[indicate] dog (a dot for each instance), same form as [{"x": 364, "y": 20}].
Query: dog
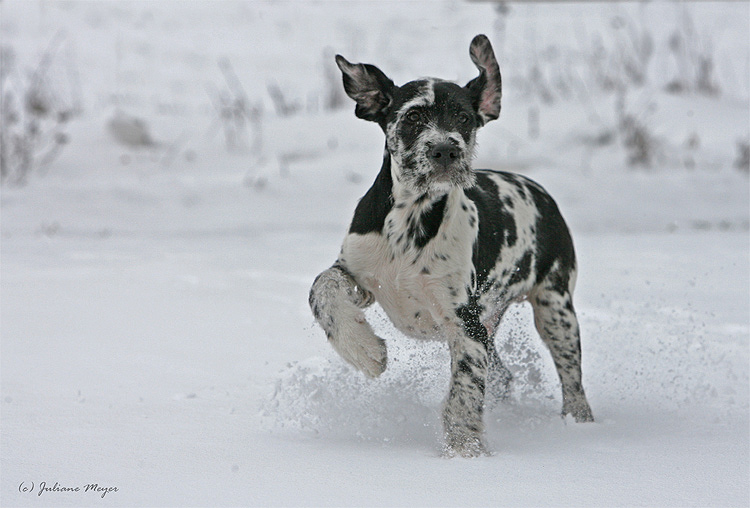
[{"x": 445, "y": 249}]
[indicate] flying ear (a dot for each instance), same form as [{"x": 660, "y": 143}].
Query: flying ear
[
  {"x": 487, "y": 88},
  {"x": 369, "y": 87}
]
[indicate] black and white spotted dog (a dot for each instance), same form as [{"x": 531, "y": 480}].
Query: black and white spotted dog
[{"x": 445, "y": 249}]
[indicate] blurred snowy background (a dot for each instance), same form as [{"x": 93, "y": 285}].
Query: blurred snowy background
[{"x": 174, "y": 175}]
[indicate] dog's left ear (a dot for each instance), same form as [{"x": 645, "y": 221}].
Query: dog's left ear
[
  {"x": 369, "y": 87},
  {"x": 487, "y": 88}
]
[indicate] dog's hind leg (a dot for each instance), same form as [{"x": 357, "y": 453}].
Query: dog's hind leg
[
  {"x": 499, "y": 377},
  {"x": 557, "y": 324},
  {"x": 337, "y": 301}
]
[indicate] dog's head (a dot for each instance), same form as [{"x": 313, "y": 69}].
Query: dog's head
[{"x": 430, "y": 124}]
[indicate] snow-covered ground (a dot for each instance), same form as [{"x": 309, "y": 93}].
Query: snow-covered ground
[{"x": 154, "y": 327}]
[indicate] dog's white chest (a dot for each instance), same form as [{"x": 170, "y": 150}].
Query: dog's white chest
[{"x": 419, "y": 287}]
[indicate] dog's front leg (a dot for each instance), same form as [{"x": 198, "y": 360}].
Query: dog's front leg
[
  {"x": 464, "y": 408},
  {"x": 337, "y": 301}
]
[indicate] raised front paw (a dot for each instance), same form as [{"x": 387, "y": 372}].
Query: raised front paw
[{"x": 357, "y": 344}]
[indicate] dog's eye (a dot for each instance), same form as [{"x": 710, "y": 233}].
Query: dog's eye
[
  {"x": 413, "y": 116},
  {"x": 463, "y": 118}
]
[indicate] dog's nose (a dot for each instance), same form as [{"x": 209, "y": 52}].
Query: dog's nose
[{"x": 444, "y": 154}]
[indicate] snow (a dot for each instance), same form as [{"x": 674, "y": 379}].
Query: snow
[{"x": 154, "y": 329}]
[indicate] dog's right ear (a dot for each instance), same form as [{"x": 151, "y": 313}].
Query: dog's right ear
[
  {"x": 369, "y": 87},
  {"x": 487, "y": 88}
]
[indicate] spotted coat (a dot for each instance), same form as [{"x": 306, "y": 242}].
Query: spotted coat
[{"x": 445, "y": 249}]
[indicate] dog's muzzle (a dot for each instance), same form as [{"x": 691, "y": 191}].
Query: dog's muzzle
[
  {"x": 444, "y": 155},
  {"x": 447, "y": 161},
  {"x": 445, "y": 158}
]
